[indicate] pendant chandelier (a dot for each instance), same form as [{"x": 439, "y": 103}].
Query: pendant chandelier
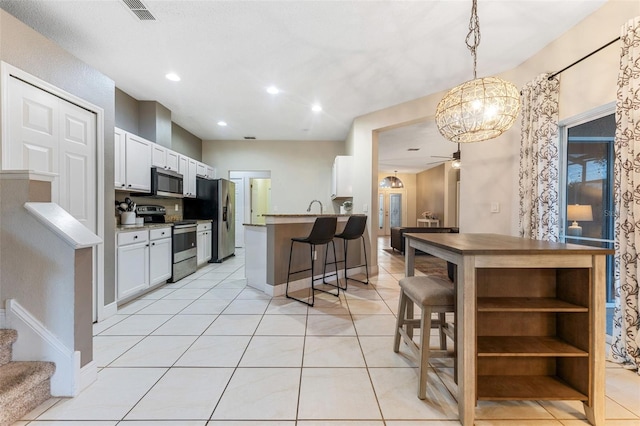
[
  {"x": 479, "y": 109},
  {"x": 392, "y": 182}
]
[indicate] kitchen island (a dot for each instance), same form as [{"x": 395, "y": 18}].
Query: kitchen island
[{"x": 267, "y": 253}]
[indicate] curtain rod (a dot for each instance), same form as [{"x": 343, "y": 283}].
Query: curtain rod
[{"x": 583, "y": 58}]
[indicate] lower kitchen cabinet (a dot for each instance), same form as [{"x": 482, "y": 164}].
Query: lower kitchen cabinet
[
  {"x": 159, "y": 255},
  {"x": 143, "y": 259},
  {"x": 204, "y": 243},
  {"x": 132, "y": 262}
]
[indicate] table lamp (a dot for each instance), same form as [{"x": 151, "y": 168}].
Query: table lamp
[{"x": 577, "y": 212}]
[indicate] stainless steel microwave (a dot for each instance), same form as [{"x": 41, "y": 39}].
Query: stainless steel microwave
[{"x": 166, "y": 183}]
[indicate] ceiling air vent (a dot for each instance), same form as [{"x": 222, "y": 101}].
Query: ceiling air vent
[{"x": 139, "y": 9}]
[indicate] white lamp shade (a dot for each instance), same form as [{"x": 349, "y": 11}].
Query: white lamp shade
[{"x": 577, "y": 212}]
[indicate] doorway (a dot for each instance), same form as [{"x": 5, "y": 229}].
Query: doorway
[
  {"x": 587, "y": 171},
  {"x": 260, "y": 199},
  {"x": 243, "y": 180},
  {"x": 392, "y": 210}
]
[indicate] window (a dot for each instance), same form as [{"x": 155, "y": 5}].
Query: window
[{"x": 587, "y": 213}]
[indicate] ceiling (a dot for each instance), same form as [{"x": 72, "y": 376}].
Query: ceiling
[{"x": 351, "y": 57}]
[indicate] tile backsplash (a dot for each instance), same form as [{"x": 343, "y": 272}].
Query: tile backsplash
[{"x": 168, "y": 203}]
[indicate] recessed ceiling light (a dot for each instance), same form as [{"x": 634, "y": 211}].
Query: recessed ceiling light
[
  {"x": 316, "y": 108},
  {"x": 173, "y": 77},
  {"x": 222, "y": 123},
  {"x": 273, "y": 90}
]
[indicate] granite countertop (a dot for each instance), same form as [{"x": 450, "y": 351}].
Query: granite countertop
[
  {"x": 310, "y": 215},
  {"x": 121, "y": 228}
]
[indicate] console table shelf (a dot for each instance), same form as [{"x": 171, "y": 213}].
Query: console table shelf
[
  {"x": 531, "y": 388},
  {"x": 527, "y": 304},
  {"x": 532, "y": 346}
]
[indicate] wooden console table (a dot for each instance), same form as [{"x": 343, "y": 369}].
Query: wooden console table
[{"x": 530, "y": 319}]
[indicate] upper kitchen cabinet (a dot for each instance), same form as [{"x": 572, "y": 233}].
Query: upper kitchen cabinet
[
  {"x": 132, "y": 162},
  {"x": 205, "y": 171},
  {"x": 342, "y": 177},
  {"x": 188, "y": 167},
  {"x": 164, "y": 158}
]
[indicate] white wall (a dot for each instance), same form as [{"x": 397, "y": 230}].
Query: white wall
[
  {"x": 490, "y": 169},
  {"x": 300, "y": 170}
]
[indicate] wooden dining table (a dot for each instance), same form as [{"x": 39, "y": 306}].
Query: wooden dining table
[{"x": 529, "y": 321}]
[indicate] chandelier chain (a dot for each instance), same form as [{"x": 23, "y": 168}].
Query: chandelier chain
[{"x": 473, "y": 36}]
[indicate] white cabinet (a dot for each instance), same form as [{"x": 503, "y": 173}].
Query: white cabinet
[
  {"x": 164, "y": 158},
  {"x": 342, "y": 177},
  {"x": 132, "y": 263},
  {"x": 187, "y": 167},
  {"x": 205, "y": 171},
  {"x": 201, "y": 169},
  {"x": 204, "y": 243},
  {"x": 159, "y": 255},
  {"x": 172, "y": 160},
  {"x": 158, "y": 156},
  {"x": 132, "y": 162},
  {"x": 143, "y": 259}
]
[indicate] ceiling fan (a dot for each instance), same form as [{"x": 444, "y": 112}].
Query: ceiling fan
[{"x": 455, "y": 158}]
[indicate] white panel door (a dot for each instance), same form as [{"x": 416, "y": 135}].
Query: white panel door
[
  {"x": 78, "y": 163},
  {"x": 49, "y": 134},
  {"x": 33, "y": 131}
]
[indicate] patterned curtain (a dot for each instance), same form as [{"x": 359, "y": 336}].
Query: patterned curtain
[
  {"x": 539, "y": 201},
  {"x": 625, "y": 348}
]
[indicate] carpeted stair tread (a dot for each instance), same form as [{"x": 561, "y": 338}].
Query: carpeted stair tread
[
  {"x": 8, "y": 336},
  {"x": 18, "y": 377},
  {"x": 7, "y": 339}
]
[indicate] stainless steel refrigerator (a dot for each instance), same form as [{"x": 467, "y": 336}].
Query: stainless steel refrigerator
[{"x": 215, "y": 200}]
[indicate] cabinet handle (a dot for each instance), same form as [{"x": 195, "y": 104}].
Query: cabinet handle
[
  {"x": 129, "y": 185},
  {"x": 162, "y": 233},
  {"x": 153, "y": 244},
  {"x": 135, "y": 237},
  {"x": 123, "y": 184}
]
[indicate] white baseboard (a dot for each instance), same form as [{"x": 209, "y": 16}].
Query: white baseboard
[
  {"x": 108, "y": 311},
  {"x": 36, "y": 343}
]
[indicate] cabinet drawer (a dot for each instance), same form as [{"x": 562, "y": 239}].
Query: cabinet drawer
[
  {"x": 125, "y": 238},
  {"x": 156, "y": 234},
  {"x": 204, "y": 226}
]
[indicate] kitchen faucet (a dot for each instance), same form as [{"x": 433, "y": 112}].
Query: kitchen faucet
[{"x": 314, "y": 201}]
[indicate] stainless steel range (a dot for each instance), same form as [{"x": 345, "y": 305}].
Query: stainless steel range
[{"x": 184, "y": 249}]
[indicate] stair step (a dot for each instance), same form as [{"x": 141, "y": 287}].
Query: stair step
[
  {"x": 7, "y": 339},
  {"x": 23, "y": 386}
]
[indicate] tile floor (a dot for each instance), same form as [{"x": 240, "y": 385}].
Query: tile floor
[{"x": 209, "y": 350}]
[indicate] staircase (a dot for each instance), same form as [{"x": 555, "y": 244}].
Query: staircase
[{"x": 23, "y": 385}]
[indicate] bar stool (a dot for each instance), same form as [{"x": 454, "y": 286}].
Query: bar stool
[
  {"x": 321, "y": 234},
  {"x": 353, "y": 230},
  {"x": 433, "y": 295}
]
